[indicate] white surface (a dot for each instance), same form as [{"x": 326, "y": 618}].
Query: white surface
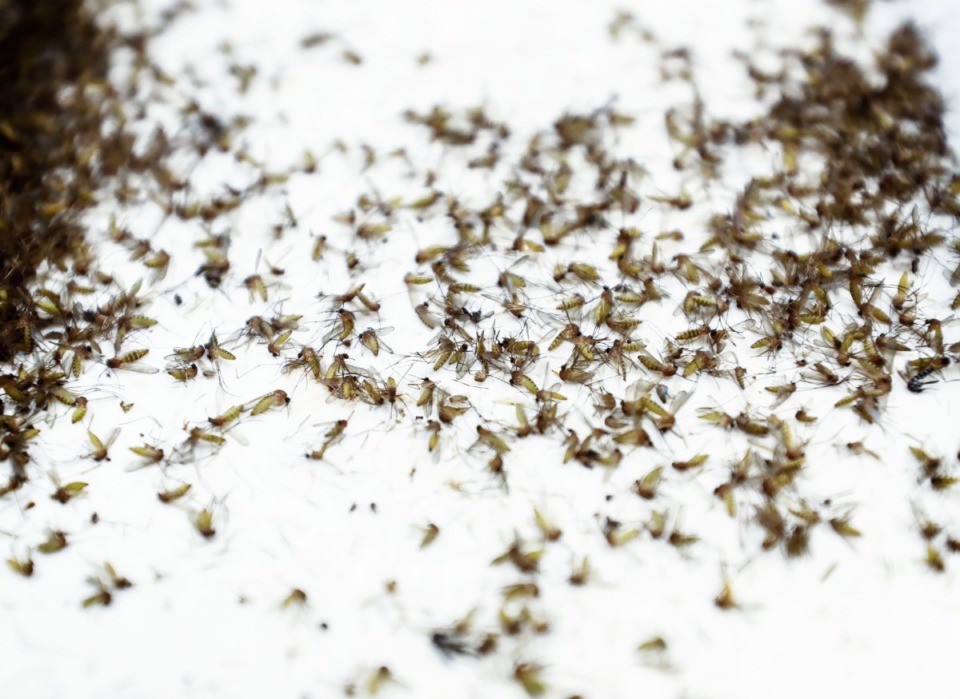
[{"x": 880, "y": 624}]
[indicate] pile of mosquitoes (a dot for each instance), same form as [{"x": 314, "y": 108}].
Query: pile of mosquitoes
[{"x": 834, "y": 264}]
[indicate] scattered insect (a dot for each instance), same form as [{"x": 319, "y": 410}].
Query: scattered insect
[
  {"x": 451, "y": 644},
  {"x": 230, "y": 416},
  {"x": 296, "y": 598},
  {"x": 430, "y": 533},
  {"x": 68, "y": 491},
  {"x": 378, "y": 679},
  {"x": 174, "y": 494},
  {"x": 725, "y": 600},
  {"x": 21, "y": 567},
  {"x": 149, "y": 453},
  {"x": 306, "y": 358},
  {"x": 56, "y": 541},
  {"x": 332, "y": 436},
  {"x": 215, "y": 352},
  {"x": 530, "y": 677},
  {"x": 371, "y": 339},
  {"x": 549, "y": 530},
  {"x": 127, "y": 361},
  {"x": 101, "y": 448},
  {"x": 203, "y": 523},
  {"x": 185, "y": 373},
  {"x": 106, "y": 584},
  {"x": 274, "y": 399}
]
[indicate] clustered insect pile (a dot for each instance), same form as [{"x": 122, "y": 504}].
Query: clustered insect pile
[{"x": 833, "y": 265}]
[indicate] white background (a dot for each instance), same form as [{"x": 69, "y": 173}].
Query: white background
[{"x": 205, "y": 618}]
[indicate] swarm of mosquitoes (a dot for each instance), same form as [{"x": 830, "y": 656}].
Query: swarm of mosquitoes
[{"x": 544, "y": 288}]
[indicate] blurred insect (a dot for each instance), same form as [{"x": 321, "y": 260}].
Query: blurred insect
[
  {"x": 491, "y": 440},
  {"x": 646, "y": 487},
  {"x": 332, "y": 436},
  {"x": 692, "y": 463},
  {"x": 105, "y": 587},
  {"x": 203, "y": 523},
  {"x": 617, "y": 535},
  {"x": 524, "y": 561},
  {"x": 450, "y": 643},
  {"x": 430, "y": 533},
  {"x": 932, "y": 470},
  {"x": 725, "y": 600},
  {"x": 434, "y": 428},
  {"x": 319, "y": 248},
  {"x": 782, "y": 392},
  {"x": 412, "y": 280},
  {"x": 150, "y": 454},
  {"x": 580, "y": 575},
  {"x": 427, "y": 318},
  {"x": 23, "y": 567},
  {"x": 591, "y": 450},
  {"x": 56, "y": 541},
  {"x": 748, "y": 425},
  {"x": 636, "y": 436},
  {"x": 664, "y": 419},
  {"x": 256, "y": 286},
  {"x": 101, "y": 448},
  {"x": 174, "y": 494},
  {"x": 934, "y": 559},
  {"x": 66, "y": 492},
  {"x": 549, "y": 530},
  {"x": 158, "y": 262}
]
